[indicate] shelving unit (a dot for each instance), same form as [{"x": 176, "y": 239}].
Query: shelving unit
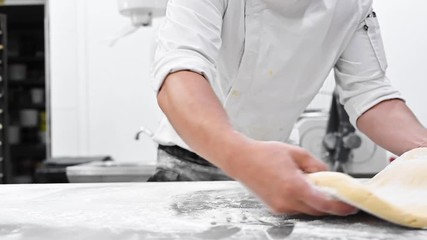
[
  {"x": 26, "y": 90},
  {"x": 4, "y": 148}
]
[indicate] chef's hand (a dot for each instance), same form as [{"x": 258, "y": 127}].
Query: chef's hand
[{"x": 274, "y": 171}]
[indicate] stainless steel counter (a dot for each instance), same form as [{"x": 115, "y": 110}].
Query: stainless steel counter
[{"x": 196, "y": 210}]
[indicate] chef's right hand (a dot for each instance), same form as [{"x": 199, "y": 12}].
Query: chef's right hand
[{"x": 275, "y": 172}]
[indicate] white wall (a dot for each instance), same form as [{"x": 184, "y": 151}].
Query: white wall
[
  {"x": 404, "y": 29},
  {"x": 100, "y": 95}
]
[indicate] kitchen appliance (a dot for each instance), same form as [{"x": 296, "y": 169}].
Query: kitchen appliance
[
  {"x": 341, "y": 138},
  {"x": 109, "y": 171},
  {"x": 364, "y": 161},
  {"x": 53, "y": 170},
  {"x": 142, "y": 12}
]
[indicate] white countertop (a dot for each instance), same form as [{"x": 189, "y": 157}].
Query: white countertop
[{"x": 192, "y": 210}]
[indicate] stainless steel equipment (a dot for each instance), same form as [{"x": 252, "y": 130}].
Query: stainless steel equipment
[
  {"x": 340, "y": 138},
  {"x": 109, "y": 171},
  {"x": 364, "y": 161}
]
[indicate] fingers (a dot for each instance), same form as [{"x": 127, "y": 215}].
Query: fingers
[
  {"x": 302, "y": 197},
  {"x": 308, "y": 163},
  {"x": 313, "y": 197},
  {"x": 306, "y": 209},
  {"x": 288, "y": 190},
  {"x": 298, "y": 207},
  {"x": 324, "y": 203}
]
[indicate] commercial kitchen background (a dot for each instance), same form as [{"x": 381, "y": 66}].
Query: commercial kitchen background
[{"x": 101, "y": 95}]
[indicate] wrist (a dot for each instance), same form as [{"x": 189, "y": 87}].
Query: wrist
[
  {"x": 420, "y": 140},
  {"x": 231, "y": 151}
]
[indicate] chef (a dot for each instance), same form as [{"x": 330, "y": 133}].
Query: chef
[{"x": 232, "y": 77}]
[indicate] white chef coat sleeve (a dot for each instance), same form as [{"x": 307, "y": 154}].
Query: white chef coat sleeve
[
  {"x": 189, "y": 39},
  {"x": 360, "y": 72}
]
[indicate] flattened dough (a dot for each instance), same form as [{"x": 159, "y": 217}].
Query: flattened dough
[{"x": 397, "y": 194}]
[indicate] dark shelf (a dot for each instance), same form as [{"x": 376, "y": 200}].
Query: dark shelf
[
  {"x": 27, "y": 150},
  {"x": 24, "y": 37},
  {"x": 25, "y": 59},
  {"x": 27, "y": 83},
  {"x": 13, "y": 107}
]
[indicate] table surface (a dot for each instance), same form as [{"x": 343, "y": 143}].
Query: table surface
[{"x": 192, "y": 210}]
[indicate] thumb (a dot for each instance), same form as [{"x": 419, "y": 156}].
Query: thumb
[{"x": 308, "y": 163}]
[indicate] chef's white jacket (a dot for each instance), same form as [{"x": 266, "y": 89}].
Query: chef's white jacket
[{"x": 267, "y": 59}]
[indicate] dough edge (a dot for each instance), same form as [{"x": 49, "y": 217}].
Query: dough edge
[{"x": 353, "y": 192}]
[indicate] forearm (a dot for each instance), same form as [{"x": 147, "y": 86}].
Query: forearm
[
  {"x": 197, "y": 115},
  {"x": 272, "y": 170},
  {"x": 392, "y": 125}
]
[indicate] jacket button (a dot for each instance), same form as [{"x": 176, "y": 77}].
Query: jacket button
[{"x": 366, "y": 27}]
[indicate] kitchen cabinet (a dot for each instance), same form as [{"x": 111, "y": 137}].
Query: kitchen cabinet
[{"x": 24, "y": 92}]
